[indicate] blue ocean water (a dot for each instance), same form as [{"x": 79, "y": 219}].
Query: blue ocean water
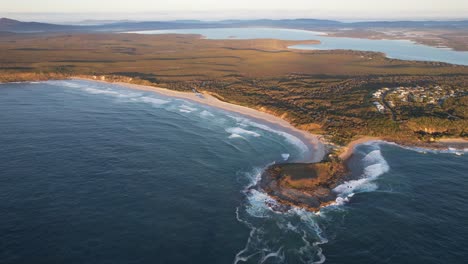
[
  {"x": 98, "y": 173},
  {"x": 397, "y": 49}
]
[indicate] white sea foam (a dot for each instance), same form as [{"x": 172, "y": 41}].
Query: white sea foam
[
  {"x": 244, "y": 122},
  {"x": 67, "y": 84},
  {"x": 277, "y": 254},
  {"x": 238, "y": 131},
  {"x": 285, "y": 156},
  {"x": 187, "y": 109},
  {"x": 206, "y": 114},
  {"x": 449, "y": 150},
  {"x": 151, "y": 100},
  {"x": 258, "y": 204},
  {"x": 310, "y": 221},
  {"x": 101, "y": 91},
  {"x": 239, "y": 256},
  {"x": 374, "y": 166},
  {"x": 263, "y": 246},
  {"x": 232, "y": 136},
  {"x": 97, "y": 89}
]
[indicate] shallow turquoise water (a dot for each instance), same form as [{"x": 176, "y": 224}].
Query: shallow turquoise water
[
  {"x": 97, "y": 173},
  {"x": 397, "y": 49}
]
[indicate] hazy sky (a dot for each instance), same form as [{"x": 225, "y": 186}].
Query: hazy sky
[{"x": 219, "y": 9}]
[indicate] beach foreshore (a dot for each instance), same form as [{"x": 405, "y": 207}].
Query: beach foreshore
[
  {"x": 454, "y": 141},
  {"x": 319, "y": 174},
  {"x": 349, "y": 149},
  {"x": 315, "y": 143}
]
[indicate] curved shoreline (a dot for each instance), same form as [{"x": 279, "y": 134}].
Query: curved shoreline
[
  {"x": 325, "y": 174},
  {"x": 443, "y": 144},
  {"x": 314, "y": 143}
]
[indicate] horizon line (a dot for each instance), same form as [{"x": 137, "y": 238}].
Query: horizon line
[{"x": 10, "y": 15}]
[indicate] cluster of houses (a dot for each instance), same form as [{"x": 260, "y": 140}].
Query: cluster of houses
[
  {"x": 423, "y": 95},
  {"x": 379, "y": 107}
]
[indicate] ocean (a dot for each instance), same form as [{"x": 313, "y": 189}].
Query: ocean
[{"x": 98, "y": 173}]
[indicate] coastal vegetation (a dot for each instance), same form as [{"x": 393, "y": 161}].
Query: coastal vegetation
[
  {"x": 332, "y": 93},
  {"x": 328, "y": 92}
]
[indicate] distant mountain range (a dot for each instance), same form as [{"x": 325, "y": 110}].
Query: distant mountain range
[{"x": 10, "y": 25}]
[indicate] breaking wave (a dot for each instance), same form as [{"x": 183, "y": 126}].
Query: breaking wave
[
  {"x": 186, "y": 109},
  {"x": 235, "y": 136},
  {"x": 206, "y": 114},
  {"x": 449, "y": 150},
  {"x": 98, "y": 88},
  {"x": 151, "y": 100},
  {"x": 291, "y": 139},
  {"x": 102, "y": 91},
  {"x": 69, "y": 84},
  {"x": 239, "y": 132},
  {"x": 271, "y": 232},
  {"x": 374, "y": 165}
]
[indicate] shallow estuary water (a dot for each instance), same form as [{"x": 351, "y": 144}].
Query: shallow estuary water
[{"x": 397, "y": 49}]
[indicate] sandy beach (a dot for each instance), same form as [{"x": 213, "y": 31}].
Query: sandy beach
[
  {"x": 454, "y": 140},
  {"x": 315, "y": 143},
  {"x": 349, "y": 149}
]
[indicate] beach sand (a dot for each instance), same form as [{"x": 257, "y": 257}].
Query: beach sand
[
  {"x": 349, "y": 149},
  {"x": 454, "y": 140},
  {"x": 315, "y": 143},
  {"x": 458, "y": 143}
]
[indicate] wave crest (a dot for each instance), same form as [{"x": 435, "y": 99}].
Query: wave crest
[
  {"x": 374, "y": 166},
  {"x": 238, "y": 131}
]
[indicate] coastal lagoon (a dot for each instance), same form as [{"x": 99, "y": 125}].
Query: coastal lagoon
[
  {"x": 397, "y": 49},
  {"x": 94, "y": 173}
]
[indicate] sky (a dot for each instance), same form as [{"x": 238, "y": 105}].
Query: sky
[{"x": 238, "y": 9}]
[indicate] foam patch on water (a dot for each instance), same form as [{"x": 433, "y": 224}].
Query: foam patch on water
[
  {"x": 285, "y": 156},
  {"x": 206, "y": 114},
  {"x": 151, "y": 100},
  {"x": 277, "y": 254},
  {"x": 66, "y": 84},
  {"x": 257, "y": 204},
  {"x": 187, "y": 109},
  {"x": 102, "y": 91},
  {"x": 310, "y": 219},
  {"x": 449, "y": 150},
  {"x": 269, "y": 229},
  {"x": 232, "y": 136},
  {"x": 374, "y": 166},
  {"x": 238, "y": 131},
  {"x": 291, "y": 139}
]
